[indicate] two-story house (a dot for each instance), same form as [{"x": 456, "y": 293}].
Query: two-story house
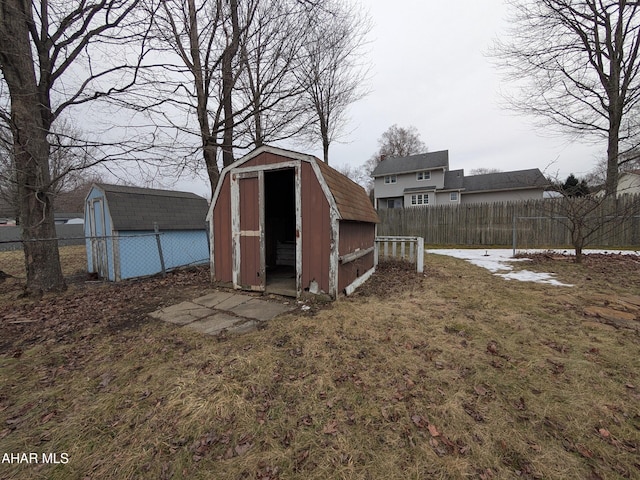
[{"x": 425, "y": 179}]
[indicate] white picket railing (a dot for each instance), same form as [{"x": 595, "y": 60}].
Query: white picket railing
[{"x": 401, "y": 248}]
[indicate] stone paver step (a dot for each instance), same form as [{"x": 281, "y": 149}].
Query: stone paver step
[{"x": 218, "y": 311}]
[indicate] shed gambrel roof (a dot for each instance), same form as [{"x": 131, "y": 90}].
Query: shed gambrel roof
[
  {"x": 516, "y": 180},
  {"x": 413, "y": 163},
  {"x": 137, "y": 209},
  {"x": 351, "y": 200}
]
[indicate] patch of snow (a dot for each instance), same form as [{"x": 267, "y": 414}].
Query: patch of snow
[
  {"x": 495, "y": 260},
  {"x": 499, "y": 260},
  {"x": 528, "y": 276}
]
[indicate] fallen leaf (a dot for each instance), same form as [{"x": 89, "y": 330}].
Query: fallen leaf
[
  {"x": 47, "y": 417},
  {"x": 604, "y": 432},
  {"x": 106, "y": 379},
  {"x": 419, "y": 421},
  {"x": 306, "y": 420},
  {"x": 331, "y": 428},
  {"x": 480, "y": 390},
  {"x": 433, "y": 431},
  {"x": 492, "y": 347},
  {"x": 242, "y": 448},
  {"x": 584, "y": 451}
]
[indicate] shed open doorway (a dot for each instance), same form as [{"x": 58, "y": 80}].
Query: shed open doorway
[{"x": 280, "y": 231}]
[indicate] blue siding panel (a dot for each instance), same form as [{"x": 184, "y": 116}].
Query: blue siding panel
[{"x": 139, "y": 254}]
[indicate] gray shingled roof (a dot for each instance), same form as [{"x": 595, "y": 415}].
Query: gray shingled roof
[
  {"x": 519, "y": 179},
  {"x": 454, "y": 180},
  {"x": 136, "y": 208},
  {"x": 412, "y": 163}
]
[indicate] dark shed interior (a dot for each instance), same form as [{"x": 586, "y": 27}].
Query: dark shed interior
[{"x": 280, "y": 227}]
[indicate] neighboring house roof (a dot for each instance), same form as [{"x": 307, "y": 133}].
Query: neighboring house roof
[
  {"x": 454, "y": 180},
  {"x": 412, "y": 163},
  {"x": 136, "y": 208},
  {"x": 516, "y": 180},
  {"x": 351, "y": 199},
  {"x": 426, "y": 188},
  {"x": 67, "y": 216}
]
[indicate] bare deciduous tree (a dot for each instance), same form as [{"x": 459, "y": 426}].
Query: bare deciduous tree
[
  {"x": 395, "y": 142},
  {"x": 589, "y": 217},
  {"x": 576, "y": 65},
  {"x": 52, "y": 57},
  {"x": 331, "y": 72},
  {"x": 270, "y": 59},
  {"x": 70, "y": 158},
  {"x": 200, "y": 42},
  {"x": 484, "y": 170}
]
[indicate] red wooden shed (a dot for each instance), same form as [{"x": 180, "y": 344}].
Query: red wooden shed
[{"x": 286, "y": 223}]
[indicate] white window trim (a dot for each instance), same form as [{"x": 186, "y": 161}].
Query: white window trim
[
  {"x": 451, "y": 196},
  {"x": 419, "y": 199},
  {"x": 388, "y": 179},
  {"x": 426, "y": 175}
]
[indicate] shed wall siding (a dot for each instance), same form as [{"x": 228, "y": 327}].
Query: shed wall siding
[
  {"x": 316, "y": 231},
  {"x": 353, "y": 236},
  {"x": 102, "y": 246},
  {"x": 222, "y": 234}
]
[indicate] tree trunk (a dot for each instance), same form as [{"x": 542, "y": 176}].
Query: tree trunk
[
  {"x": 326, "y": 141},
  {"x": 31, "y": 150},
  {"x": 228, "y": 82},
  {"x": 209, "y": 147},
  {"x": 210, "y": 153},
  {"x": 578, "y": 241},
  {"x": 611, "y": 182}
]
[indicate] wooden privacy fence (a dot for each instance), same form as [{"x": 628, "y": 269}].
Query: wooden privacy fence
[
  {"x": 535, "y": 223},
  {"x": 400, "y": 248}
]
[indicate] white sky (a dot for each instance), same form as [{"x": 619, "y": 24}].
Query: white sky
[{"x": 430, "y": 70}]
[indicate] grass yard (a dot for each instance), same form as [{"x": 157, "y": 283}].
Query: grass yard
[{"x": 454, "y": 374}]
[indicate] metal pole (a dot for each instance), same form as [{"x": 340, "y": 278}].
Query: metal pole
[
  {"x": 157, "y": 232},
  {"x": 515, "y": 221}
]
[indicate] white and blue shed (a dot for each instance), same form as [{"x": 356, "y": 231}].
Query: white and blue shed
[{"x": 133, "y": 231}]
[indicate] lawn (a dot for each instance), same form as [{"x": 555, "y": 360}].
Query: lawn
[{"x": 456, "y": 373}]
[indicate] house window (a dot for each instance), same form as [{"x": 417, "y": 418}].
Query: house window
[
  {"x": 453, "y": 196},
  {"x": 423, "y": 176},
  {"x": 420, "y": 199},
  {"x": 390, "y": 179},
  {"x": 391, "y": 203}
]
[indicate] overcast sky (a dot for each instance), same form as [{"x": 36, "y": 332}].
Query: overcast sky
[{"x": 429, "y": 69}]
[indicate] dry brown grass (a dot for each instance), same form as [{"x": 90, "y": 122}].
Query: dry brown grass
[
  {"x": 452, "y": 375},
  {"x": 72, "y": 258}
]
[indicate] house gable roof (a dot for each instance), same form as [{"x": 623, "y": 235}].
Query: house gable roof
[
  {"x": 137, "y": 209},
  {"x": 454, "y": 180},
  {"x": 351, "y": 200},
  {"x": 413, "y": 163},
  {"x": 516, "y": 180}
]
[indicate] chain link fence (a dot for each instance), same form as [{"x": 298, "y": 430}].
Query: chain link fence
[
  {"x": 138, "y": 255},
  {"x": 131, "y": 255}
]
